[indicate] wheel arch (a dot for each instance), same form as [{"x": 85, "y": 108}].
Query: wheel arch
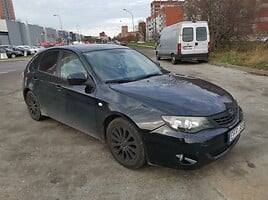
[
  {"x": 112, "y": 117},
  {"x": 25, "y": 91}
]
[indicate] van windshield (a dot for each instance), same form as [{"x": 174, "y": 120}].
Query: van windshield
[
  {"x": 201, "y": 33},
  {"x": 188, "y": 34}
]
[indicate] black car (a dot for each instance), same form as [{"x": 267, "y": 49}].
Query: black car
[
  {"x": 144, "y": 113},
  {"x": 11, "y": 53}
]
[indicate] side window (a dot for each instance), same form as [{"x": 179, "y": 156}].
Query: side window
[
  {"x": 70, "y": 64},
  {"x": 188, "y": 34},
  {"x": 35, "y": 62},
  {"x": 49, "y": 62},
  {"x": 201, "y": 33}
]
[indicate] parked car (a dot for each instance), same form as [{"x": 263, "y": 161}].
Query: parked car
[
  {"x": 184, "y": 41},
  {"x": 29, "y": 50},
  {"x": 145, "y": 113},
  {"x": 11, "y": 53},
  {"x": 264, "y": 39}
]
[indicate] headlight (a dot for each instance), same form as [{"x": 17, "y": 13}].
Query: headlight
[{"x": 187, "y": 124}]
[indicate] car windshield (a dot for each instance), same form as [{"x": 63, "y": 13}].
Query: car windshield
[{"x": 122, "y": 65}]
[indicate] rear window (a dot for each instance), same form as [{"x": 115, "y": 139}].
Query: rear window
[
  {"x": 188, "y": 34},
  {"x": 201, "y": 33}
]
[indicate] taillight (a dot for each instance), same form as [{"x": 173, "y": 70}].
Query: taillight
[
  {"x": 209, "y": 46},
  {"x": 179, "y": 47}
]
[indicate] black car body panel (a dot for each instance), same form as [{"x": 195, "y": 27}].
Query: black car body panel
[{"x": 142, "y": 102}]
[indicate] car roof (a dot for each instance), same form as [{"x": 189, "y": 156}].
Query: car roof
[{"x": 90, "y": 47}]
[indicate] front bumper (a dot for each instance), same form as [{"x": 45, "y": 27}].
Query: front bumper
[{"x": 170, "y": 148}]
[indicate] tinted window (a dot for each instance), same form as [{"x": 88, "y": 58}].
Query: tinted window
[
  {"x": 188, "y": 34},
  {"x": 201, "y": 33},
  {"x": 121, "y": 64},
  {"x": 70, "y": 64},
  {"x": 35, "y": 62},
  {"x": 49, "y": 62}
]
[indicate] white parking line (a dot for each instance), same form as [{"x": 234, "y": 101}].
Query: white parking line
[{"x": 5, "y": 72}]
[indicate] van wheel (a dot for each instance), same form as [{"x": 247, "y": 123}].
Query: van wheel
[
  {"x": 157, "y": 56},
  {"x": 173, "y": 59}
]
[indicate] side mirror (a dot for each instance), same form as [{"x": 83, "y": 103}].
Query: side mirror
[{"x": 77, "y": 78}]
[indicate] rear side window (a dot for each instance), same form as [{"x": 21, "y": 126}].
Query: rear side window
[
  {"x": 201, "y": 33},
  {"x": 188, "y": 34},
  {"x": 49, "y": 62}
]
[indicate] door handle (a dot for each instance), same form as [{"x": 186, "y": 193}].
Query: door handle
[{"x": 34, "y": 78}]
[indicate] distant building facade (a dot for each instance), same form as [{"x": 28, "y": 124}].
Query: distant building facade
[
  {"x": 163, "y": 13},
  {"x": 262, "y": 16},
  {"x": 7, "y": 10}
]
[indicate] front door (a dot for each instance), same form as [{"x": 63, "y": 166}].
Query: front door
[{"x": 80, "y": 106}]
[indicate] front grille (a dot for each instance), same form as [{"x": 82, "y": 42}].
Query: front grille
[{"x": 226, "y": 118}]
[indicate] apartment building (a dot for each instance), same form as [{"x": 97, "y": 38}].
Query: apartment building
[
  {"x": 163, "y": 13},
  {"x": 7, "y": 10}
]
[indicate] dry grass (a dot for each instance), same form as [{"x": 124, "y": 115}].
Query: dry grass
[{"x": 254, "y": 55}]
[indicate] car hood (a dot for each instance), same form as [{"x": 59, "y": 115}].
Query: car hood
[{"x": 178, "y": 95}]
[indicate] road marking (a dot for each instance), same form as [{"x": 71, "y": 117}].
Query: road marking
[{"x": 6, "y": 72}]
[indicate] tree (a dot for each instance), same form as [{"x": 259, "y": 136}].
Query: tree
[{"x": 228, "y": 19}]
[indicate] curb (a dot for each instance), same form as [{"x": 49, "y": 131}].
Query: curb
[
  {"x": 14, "y": 60},
  {"x": 241, "y": 68}
]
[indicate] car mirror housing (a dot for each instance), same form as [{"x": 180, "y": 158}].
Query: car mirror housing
[{"x": 77, "y": 78}]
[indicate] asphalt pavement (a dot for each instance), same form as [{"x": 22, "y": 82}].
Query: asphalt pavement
[{"x": 49, "y": 160}]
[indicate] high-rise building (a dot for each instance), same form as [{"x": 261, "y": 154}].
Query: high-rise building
[
  {"x": 163, "y": 13},
  {"x": 7, "y": 10}
]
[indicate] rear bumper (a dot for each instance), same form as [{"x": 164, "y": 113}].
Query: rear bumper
[
  {"x": 203, "y": 56},
  {"x": 169, "y": 148}
]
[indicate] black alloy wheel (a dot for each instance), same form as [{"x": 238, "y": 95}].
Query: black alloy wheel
[
  {"x": 173, "y": 59},
  {"x": 125, "y": 143},
  {"x": 33, "y": 106}
]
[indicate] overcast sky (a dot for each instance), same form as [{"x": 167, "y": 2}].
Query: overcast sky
[{"x": 92, "y": 16}]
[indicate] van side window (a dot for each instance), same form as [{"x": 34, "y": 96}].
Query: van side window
[
  {"x": 188, "y": 34},
  {"x": 201, "y": 33}
]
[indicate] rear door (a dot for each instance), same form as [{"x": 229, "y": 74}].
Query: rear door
[
  {"x": 187, "y": 40},
  {"x": 46, "y": 86},
  {"x": 201, "y": 38}
]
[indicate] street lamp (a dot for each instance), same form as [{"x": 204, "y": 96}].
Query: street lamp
[
  {"x": 131, "y": 17},
  {"x": 55, "y": 15}
]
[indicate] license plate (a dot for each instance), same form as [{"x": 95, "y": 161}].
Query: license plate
[{"x": 236, "y": 131}]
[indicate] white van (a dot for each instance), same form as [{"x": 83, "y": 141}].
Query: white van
[{"x": 184, "y": 41}]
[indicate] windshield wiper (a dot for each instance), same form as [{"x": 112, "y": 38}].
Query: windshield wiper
[
  {"x": 120, "y": 81},
  {"x": 150, "y": 75},
  {"x": 134, "y": 79}
]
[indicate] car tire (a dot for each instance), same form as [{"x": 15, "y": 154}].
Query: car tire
[
  {"x": 173, "y": 59},
  {"x": 157, "y": 56},
  {"x": 13, "y": 55},
  {"x": 33, "y": 106},
  {"x": 125, "y": 143}
]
